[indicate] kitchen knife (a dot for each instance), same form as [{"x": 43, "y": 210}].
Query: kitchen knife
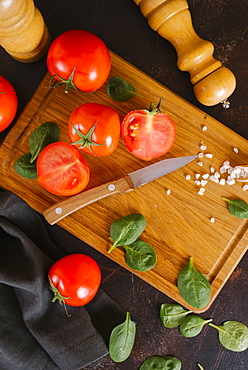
[{"x": 124, "y": 184}]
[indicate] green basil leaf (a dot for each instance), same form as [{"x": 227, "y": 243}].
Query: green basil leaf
[
  {"x": 193, "y": 286},
  {"x": 171, "y": 314},
  {"x": 24, "y": 168},
  {"x": 127, "y": 229},
  {"x": 119, "y": 89},
  {"x": 172, "y": 363},
  {"x": 122, "y": 340},
  {"x": 233, "y": 335},
  {"x": 161, "y": 363},
  {"x": 237, "y": 207},
  {"x": 192, "y": 325},
  {"x": 42, "y": 136},
  {"x": 154, "y": 362},
  {"x": 140, "y": 256}
]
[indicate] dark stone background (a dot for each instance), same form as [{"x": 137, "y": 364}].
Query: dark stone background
[{"x": 122, "y": 27}]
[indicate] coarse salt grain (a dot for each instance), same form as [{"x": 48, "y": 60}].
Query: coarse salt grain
[
  {"x": 212, "y": 170},
  {"x": 245, "y": 187},
  {"x": 230, "y": 180},
  {"x": 212, "y": 219},
  {"x": 187, "y": 177},
  {"x": 197, "y": 175},
  {"x": 200, "y": 155},
  {"x": 168, "y": 192},
  {"x": 203, "y": 182},
  {"x": 209, "y": 155},
  {"x": 204, "y": 128},
  {"x": 222, "y": 182},
  {"x": 205, "y": 176},
  {"x": 197, "y": 182},
  {"x": 235, "y": 150},
  {"x": 203, "y": 147},
  {"x": 222, "y": 169},
  {"x": 200, "y": 164}
]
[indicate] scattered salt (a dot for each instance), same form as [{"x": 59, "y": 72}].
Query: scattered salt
[
  {"x": 245, "y": 187},
  {"x": 235, "y": 150},
  {"x": 205, "y": 176},
  {"x": 209, "y": 155},
  {"x": 197, "y": 175},
  {"x": 222, "y": 182},
  {"x": 168, "y": 192},
  {"x": 204, "y": 128},
  {"x": 212, "y": 219},
  {"x": 187, "y": 177},
  {"x": 200, "y": 164}
]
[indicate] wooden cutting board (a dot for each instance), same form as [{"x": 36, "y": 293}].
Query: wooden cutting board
[{"x": 178, "y": 224}]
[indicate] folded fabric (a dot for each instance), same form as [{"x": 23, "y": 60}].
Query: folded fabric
[{"x": 34, "y": 332}]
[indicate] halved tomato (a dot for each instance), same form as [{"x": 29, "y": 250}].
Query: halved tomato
[
  {"x": 62, "y": 170},
  {"x": 148, "y": 134}
]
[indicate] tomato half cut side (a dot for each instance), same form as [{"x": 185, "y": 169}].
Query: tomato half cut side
[
  {"x": 62, "y": 170},
  {"x": 75, "y": 279},
  {"x": 148, "y": 135}
]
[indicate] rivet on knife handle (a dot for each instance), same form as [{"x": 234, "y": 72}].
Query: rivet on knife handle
[{"x": 64, "y": 208}]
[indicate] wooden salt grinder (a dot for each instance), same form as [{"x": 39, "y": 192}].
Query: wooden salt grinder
[
  {"x": 213, "y": 83},
  {"x": 23, "y": 32}
]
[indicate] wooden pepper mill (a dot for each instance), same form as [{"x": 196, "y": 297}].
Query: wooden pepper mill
[
  {"x": 23, "y": 32},
  {"x": 213, "y": 83}
]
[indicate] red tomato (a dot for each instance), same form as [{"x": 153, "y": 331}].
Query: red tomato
[
  {"x": 75, "y": 279},
  {"x": 62, "y": 170},
  {"x": 80, "y": 59},
  {"x": 8, "y": 103},
  {"x": 148, "y": 134},
  {"x": 95, "y": 129}
]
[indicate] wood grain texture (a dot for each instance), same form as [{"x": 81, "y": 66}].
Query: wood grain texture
[{"x": 178, "y": 225}]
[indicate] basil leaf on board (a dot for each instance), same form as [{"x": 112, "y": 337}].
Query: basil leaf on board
[
  {"x": 120, "y": 90},
  {"x": 193, "y": 286},
  {"x": 127, "y": 229},
  {"x": 140, "y": 256},
  {"x": 192, "y": 325},
  {"x": 161, "y": 363},
  {"x": 171, "y": 314},
  {"x": 24, "y": 168},
  {"x": 233, "y": 335},
  {"x": 45, "y": 134},
  {"x": 237, "y": 207},
  {"x": 122, "y": 340}
]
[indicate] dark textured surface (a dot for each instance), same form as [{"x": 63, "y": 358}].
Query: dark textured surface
[{"x": 125, "y": 31}]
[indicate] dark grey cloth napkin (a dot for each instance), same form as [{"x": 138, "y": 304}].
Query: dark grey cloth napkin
[{"x": 34, "y": 332}]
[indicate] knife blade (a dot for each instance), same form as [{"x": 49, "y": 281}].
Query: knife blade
[{"x": 124, "y": 184}]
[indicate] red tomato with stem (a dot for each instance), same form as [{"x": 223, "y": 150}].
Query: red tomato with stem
[
  {"x": 95, "y": 129},
  {"x": 8, "y": 103},
  {"x": 79, "y": 59},
  {"x": 75, "y": 279},
  {"x": 62, "y": 170},
  {"x": 148, "y": 134}
]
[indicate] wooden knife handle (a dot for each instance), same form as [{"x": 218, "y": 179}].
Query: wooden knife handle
[
  {"x": 171, "y": 19},
  {"x": 64, "y": 208}
]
